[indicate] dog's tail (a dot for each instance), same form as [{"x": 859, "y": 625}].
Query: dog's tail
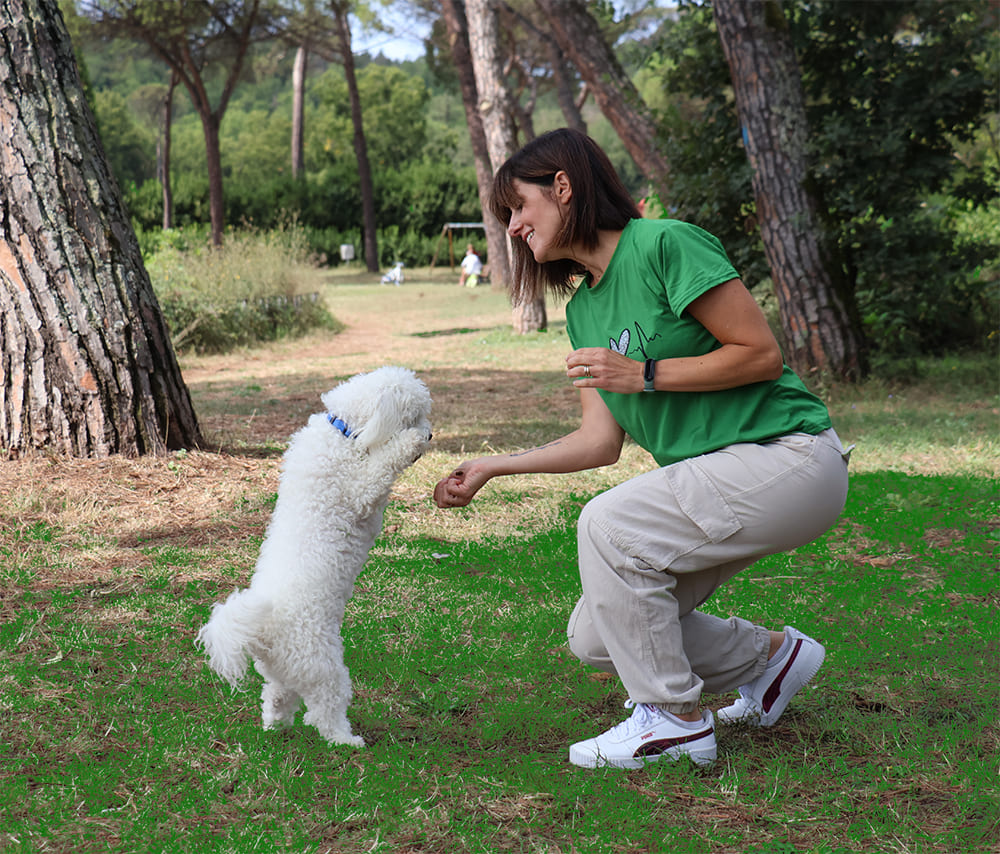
[{"x": 232, "y": 632}]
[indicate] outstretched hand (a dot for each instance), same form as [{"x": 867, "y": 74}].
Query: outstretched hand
[
  {"x": 459, "y": 488},
  {"x": 599, "y": 367}
]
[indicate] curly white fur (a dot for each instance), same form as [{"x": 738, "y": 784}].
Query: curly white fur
[{"x": 333, "y": 490}]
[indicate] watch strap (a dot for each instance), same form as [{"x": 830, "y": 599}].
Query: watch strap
[{"x": 648, "y": 373}]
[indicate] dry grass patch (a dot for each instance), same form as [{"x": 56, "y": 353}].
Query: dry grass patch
[{"x": 104, "y": 520}]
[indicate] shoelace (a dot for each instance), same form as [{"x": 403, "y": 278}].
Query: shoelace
[{"x": 643, "y": 716}]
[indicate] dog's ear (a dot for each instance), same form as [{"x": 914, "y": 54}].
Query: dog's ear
[{"x": 385, "y": 421}]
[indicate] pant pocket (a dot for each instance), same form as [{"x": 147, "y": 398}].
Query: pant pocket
[{"x": 702, "y": 502}]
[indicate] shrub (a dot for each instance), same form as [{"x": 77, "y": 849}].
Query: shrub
[{"x": 260, "y": 286}]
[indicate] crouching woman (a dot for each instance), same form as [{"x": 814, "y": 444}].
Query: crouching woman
[{"x": 671, "y": 349}]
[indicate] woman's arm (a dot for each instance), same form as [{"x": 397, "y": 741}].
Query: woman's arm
[
  {"x": 748, "y": 353},
  {"x": 597, "y": 442}
]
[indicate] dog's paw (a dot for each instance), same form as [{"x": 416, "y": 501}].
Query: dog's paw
[{"x": 349, "y": 740}]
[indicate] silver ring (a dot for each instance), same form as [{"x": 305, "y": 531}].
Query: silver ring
[{"x": 586, "y": 371}]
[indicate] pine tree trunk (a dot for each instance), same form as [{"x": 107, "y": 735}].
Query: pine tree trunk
[
  {"x": 581, "y": 40},
  {"x": 458, "y": 39},
  {"x": 86, "y": 361},
  {"x": 496, "y": 113},
  {"x": 210, "y": 123},
  {"x": 165, "y": 178},
  {"x": 360, "y": 144},
  {"x": 563, "y": 80},
  {"x": 298, "y": 109},
  {"x": 817, "y": 316},
  {"x": 530, "y": 316}
]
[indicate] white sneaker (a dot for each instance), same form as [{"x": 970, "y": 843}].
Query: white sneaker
[
  {"x": 649, "y": 735},
  {"x": 762, "y": 701}
]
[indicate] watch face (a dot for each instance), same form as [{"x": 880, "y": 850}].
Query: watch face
[{"x": 649, "y": 370}]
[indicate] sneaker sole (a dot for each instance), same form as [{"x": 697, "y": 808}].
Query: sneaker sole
[{"x": 586, "y": 759}]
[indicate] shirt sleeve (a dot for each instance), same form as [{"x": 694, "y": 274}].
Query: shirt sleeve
[{"x": 692, "y": 261}]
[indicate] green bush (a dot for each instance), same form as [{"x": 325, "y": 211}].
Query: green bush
[{"x": 260, "y": 286}]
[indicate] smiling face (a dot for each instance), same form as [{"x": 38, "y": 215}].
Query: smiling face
[{"x": 538, "y": 219}]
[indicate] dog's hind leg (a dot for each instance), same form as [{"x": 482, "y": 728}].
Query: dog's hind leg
[
  {"x": 326, "y": 707},
  {"x": 278, "y": 705},
  {"x": 323, "y": 712},
  {"x": 278, "y": 702}
]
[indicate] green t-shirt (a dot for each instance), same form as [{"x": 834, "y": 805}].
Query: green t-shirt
[{"x": 638, "y": 309}]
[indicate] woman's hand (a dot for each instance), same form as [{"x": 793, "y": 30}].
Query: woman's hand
[
  {"x": 599, "y": 367},
  {"x": 459, "y": 488}
]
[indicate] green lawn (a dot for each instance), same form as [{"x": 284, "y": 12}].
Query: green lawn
[{"x": 115, "y": 737}]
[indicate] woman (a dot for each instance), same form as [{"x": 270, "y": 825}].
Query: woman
[{"x": 671, "y": 349}]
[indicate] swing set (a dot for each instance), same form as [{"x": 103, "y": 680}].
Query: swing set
[{"x": 449, "y": 231}]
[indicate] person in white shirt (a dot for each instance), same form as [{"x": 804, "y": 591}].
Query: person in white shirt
[{"x": 472, "y": 268}]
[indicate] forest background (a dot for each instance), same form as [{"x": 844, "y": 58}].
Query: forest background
[{"x": 902, "y": 102}]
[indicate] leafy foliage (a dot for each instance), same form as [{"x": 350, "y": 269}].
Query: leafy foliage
[
  {"x": 418, "y": 187},
  {"x": 904, "y": 147},
  {"x": 892, "y": 89}
]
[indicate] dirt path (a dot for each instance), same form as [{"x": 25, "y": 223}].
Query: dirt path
[{"x": 108, "y": 520}]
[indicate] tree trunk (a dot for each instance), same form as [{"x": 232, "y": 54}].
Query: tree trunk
[
  {"x": 530, "y": 316},
  {"x": 165, "y": 179},
  {"x": 580, "y": 38},
  {"x": 816, "y": 319},
  {"x": 496, "y": 112},
  {"x": 213, "y": 157},
  {"x": 360, "y": 145},
  {"x": 564, "y": 89},
  {"x": 458, "y": 39},
  {"x": 298, "y": 111},
  {"x": 87, "y": 365}
]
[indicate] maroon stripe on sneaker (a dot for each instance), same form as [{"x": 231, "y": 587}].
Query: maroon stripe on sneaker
[
  {"x": 662, "y": 745},
  {"x": 774, "y": 689}
]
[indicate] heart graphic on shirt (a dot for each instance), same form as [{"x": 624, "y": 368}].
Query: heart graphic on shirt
[{"x": 621, "y": 345}]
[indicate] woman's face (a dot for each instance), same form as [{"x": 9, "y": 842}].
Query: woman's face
[{"x": 538, "y": 219}]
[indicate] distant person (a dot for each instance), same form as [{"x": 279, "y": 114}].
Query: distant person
[
  {"x": 670, "y": 348},
  {"x": 472, "y": 268}
]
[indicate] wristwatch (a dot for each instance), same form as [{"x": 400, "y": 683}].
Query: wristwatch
[{"x": 648, "y": 372}]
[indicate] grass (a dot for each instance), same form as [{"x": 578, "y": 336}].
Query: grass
[{"x": 114, "y": 736}]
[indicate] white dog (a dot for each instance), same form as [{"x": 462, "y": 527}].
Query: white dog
[{"x": 335, "y": 482}]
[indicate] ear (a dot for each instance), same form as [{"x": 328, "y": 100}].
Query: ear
[
  {"x": 385, "y": 420},
  {"x": 562, "y": 188}
]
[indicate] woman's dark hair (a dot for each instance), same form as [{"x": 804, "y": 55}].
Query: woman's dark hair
[{"x": 599, "y": 202}]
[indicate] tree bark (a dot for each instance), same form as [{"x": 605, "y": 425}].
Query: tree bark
[
  {"x": 817, "y": 316},
  {"x": 340, "y": 10},
  {"x": 458, "y": 41},
  {"x": 580, "y": 38},
  {"x": 496, "y": 113},
  {"x": 86, "y": 361},
  {"x": 210, "y": 124}
]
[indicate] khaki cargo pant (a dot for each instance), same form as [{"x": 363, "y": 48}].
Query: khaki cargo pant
[{"x": 654, "y": 548}]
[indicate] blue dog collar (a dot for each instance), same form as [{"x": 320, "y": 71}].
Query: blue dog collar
[{"x": 340, "y": 425}]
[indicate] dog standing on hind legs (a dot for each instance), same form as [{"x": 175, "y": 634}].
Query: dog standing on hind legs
[{"x": 335, "y": 482}]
